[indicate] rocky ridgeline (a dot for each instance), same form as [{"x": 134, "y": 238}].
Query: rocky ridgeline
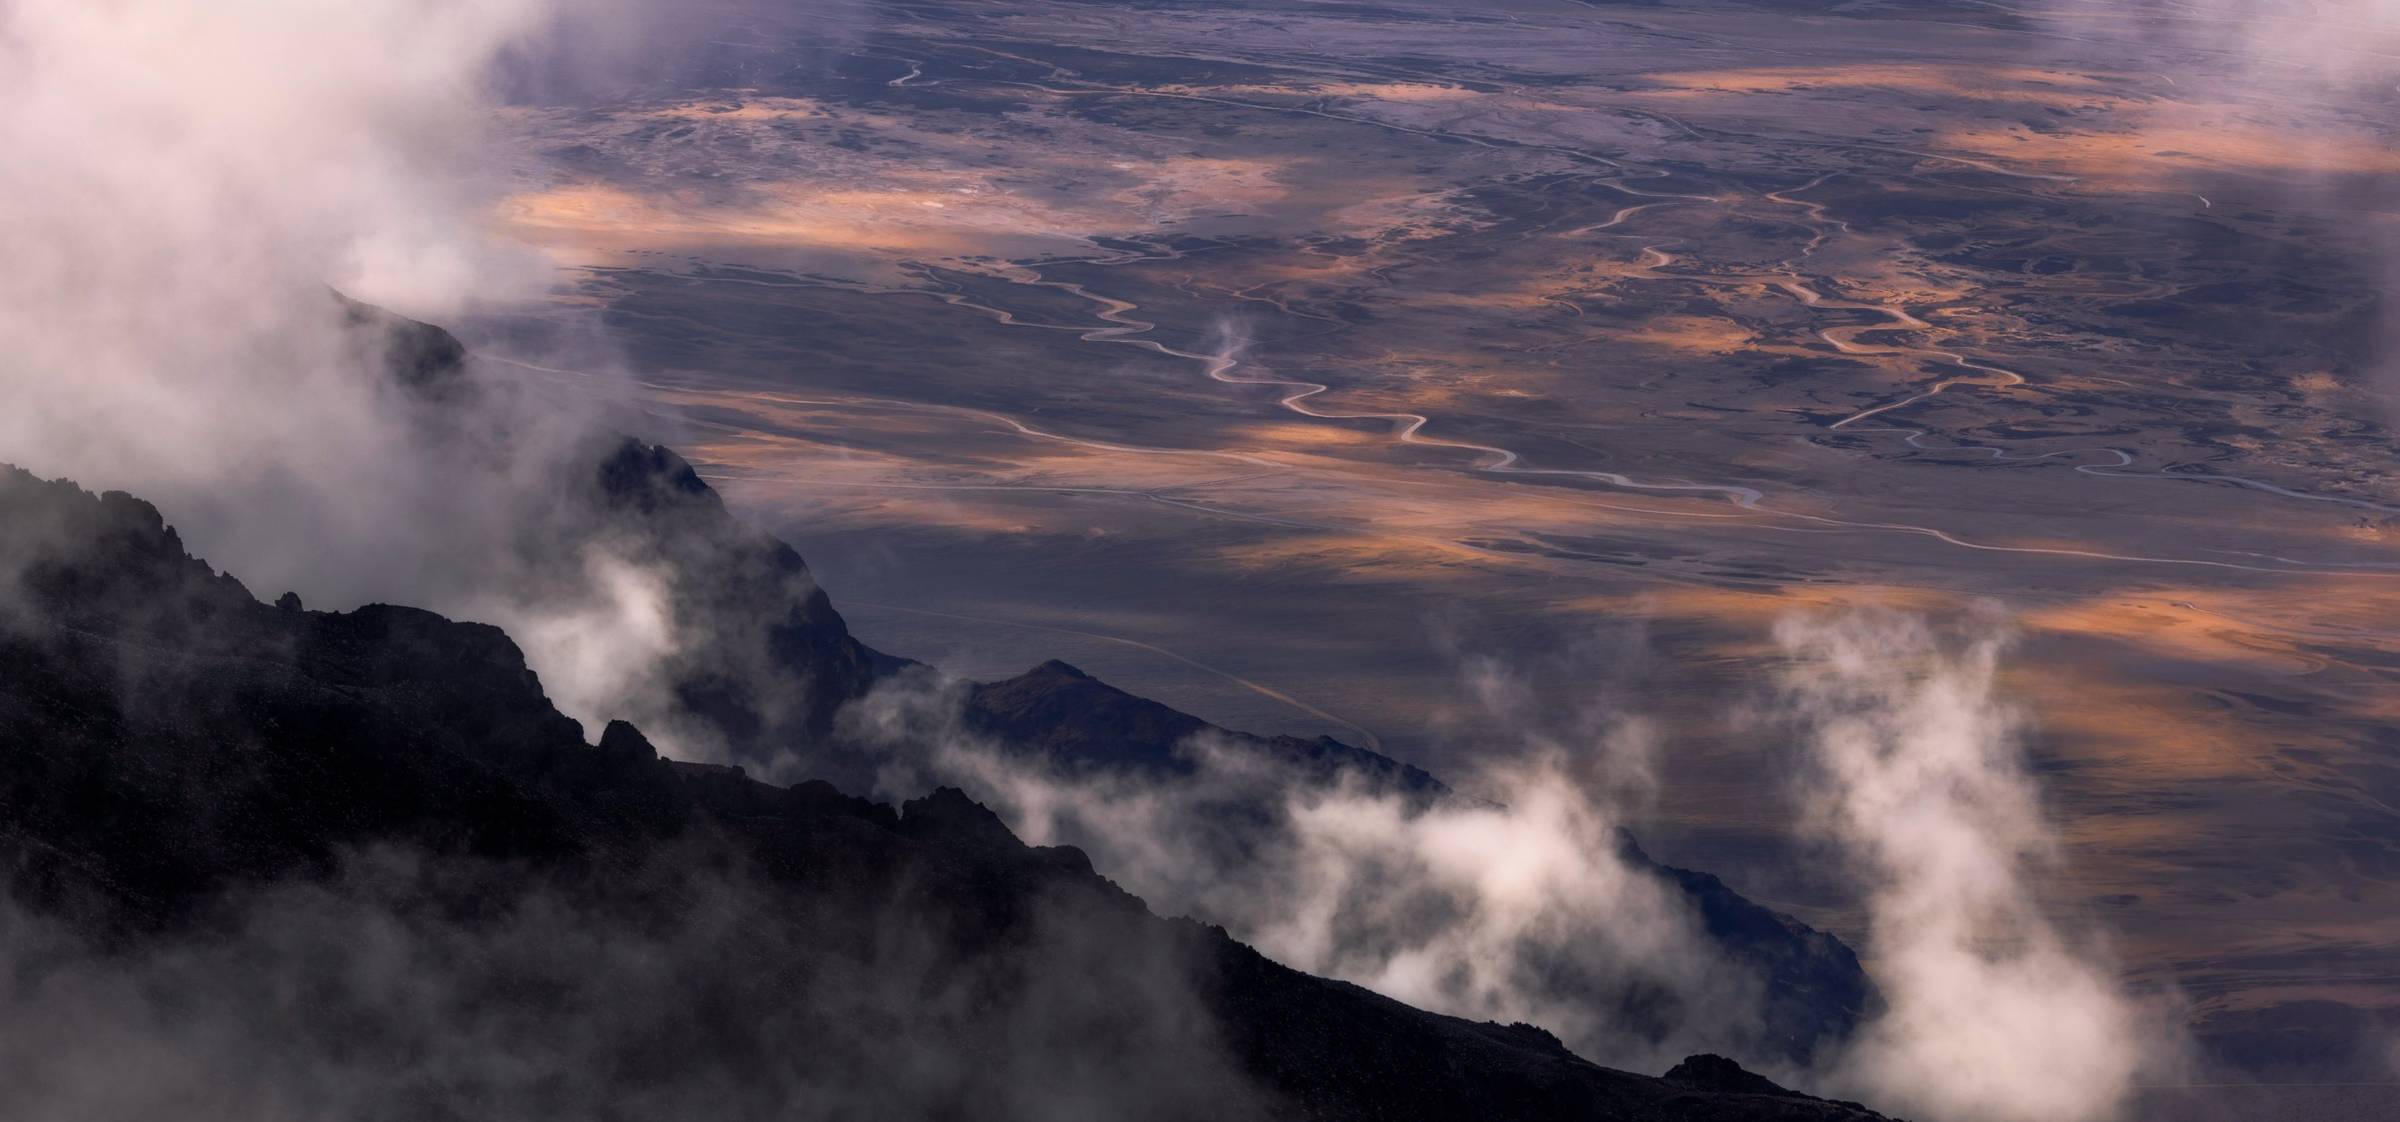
[{"x": 180, "y": 757}]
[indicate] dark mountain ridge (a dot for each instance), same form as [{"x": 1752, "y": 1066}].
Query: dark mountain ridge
[{"x": 235, "y": 803}]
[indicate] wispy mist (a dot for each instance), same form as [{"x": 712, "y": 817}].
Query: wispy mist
[
  {"x": 184, "y": 185},
  {"x": 1520, "y": 903},
  {"x": 1917, "y": 779}
]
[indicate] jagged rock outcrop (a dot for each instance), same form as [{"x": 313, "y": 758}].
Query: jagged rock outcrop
[
  {"x": 359, "y": 858},
  {"x": 771, "y": 662}
]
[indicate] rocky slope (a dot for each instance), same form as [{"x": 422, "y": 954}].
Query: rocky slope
[{"x": 359, "y": 866}]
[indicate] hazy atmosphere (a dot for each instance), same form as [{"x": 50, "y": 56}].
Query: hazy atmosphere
[{"x": 1048, "y": 559}]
